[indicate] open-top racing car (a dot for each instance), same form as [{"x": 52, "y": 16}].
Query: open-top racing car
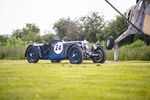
[{"x": 57, "y": 50}]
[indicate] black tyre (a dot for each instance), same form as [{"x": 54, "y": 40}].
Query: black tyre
[
  {"x": 109, "y": 43},
  {"x": 55, "y": 61},
  {"x": 75, "y": 55},
  {"x": 32, "y": 54},
  {"x": 102, "y": 55}
]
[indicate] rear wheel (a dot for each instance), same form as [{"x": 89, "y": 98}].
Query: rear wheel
[
  {"x": 32, "y": 55},
  {"x": 102, "y": 55},
  {"x": 75, "y": 55},
  {"x": 55, "y": 61}
]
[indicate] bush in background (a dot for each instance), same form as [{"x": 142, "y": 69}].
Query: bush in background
[
  {"x": 14, "y": 49},
  {"x": 135, "y": 51},
  {"x": 12, "y": 53}
]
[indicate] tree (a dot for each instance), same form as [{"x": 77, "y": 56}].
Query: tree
[
  {"x": 117, "y": 27},
  {"x": 47, "y": 38},
  {"x": 3, "y": 38},
  {"x": 92, "y": 26},
  {"x": 60, "y": 27},
  {"x": 88, "y": 27},
  {"x": 29, "y": 33},
  {"x": 17, "y": 33},
  {"x": 67, "y": 29},
  {"x": 13, "y": 42}
]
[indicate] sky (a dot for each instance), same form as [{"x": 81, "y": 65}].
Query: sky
[{"x": 14, "y": 14}]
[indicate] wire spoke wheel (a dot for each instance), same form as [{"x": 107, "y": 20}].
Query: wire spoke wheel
[
  {"x": 75, "y": 55},
  {"x": 32, "y": 55},
  {"x": 101, "y": 55}
]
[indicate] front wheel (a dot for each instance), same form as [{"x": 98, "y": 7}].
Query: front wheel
[
  {"x": 102, "y": 55},
  {"x": 75, "y": 55},
  {"x": 32, "y": 55}
]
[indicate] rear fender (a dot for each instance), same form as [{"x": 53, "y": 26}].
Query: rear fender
[
  {"x": 39, "y": 50},
  {"x": 27, "y": 49}
]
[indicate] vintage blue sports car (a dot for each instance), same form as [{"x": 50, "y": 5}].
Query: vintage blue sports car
[{"x": 57, "y": 50}]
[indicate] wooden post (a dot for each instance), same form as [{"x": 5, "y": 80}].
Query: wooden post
[{"x": 116, "y": 52}]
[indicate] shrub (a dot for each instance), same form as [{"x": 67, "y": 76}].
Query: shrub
[
  {"x": 12, "y": 53},
  {"x": 136, "y": 51},
  {"x": 13, "y": 49},
  {"x": 137, "y": 43},
  {"x": 13, "y": 42}
]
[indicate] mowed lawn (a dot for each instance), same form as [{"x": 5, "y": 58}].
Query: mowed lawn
[{"x": 20, "y": 80}]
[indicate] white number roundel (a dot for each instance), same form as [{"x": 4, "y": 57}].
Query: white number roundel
[{"x": 58, "y": 48}]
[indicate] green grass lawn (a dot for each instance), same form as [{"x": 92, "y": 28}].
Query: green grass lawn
[{"x": 20, "y": 80}]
